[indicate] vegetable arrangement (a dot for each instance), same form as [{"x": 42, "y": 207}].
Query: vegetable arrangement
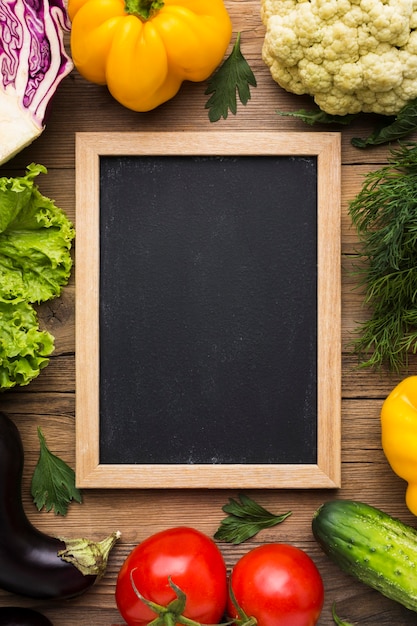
[
  {"x": 143, "y": 50},
  {"x": 35, "y": 263},
  {"x": 33, "y": 564},
  {"x": 178, "y": 576},
  {"x": 350, "y": 57},
  {"x": 33, "y": 62}
]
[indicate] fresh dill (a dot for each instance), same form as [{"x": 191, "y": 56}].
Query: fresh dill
[{"x": 385, "y": 216}]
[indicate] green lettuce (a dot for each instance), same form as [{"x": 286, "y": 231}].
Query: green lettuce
[
  {"x": 35, "y": 241},
  {"x": 35, "y": 263},
  {"x": 24, "y": 348}
]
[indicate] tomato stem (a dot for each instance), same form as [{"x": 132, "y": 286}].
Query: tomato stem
[
  {"x": 144, "y": 9},
  {"x": 242, "y": 619},
  {"x": 173, "y": 613}
]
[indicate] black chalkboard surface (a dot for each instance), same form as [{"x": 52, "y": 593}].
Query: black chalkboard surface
[{"x": 208, "y": 312}]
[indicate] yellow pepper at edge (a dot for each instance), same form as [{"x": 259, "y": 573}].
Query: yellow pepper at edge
[
  {"x": 399, "y": 435},
  {"x": 144, "y": 49}
]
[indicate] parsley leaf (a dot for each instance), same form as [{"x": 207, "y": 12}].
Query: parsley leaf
[
  {"x": 246, "y": 518},
  {"x": 53, "y": 481},
  {"x": 233, "y": 77}
]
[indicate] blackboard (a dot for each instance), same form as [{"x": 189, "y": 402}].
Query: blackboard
[{"x": 208, "y": 310}]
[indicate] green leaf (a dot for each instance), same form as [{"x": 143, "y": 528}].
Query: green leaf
[
  {"x": 396, "y": 128},
  {"x": 53, "y": 481},
  {"x": 234, "y": 77},
  {"x": 317, "y": 116},
  {"x": 35, "y": 263},
  {"x": 245, "y": 519},
  {"x": 24, "y": 348},
  {"x": 35, "y": 241}
]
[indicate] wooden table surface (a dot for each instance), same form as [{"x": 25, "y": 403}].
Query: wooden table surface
[{"x": 49, "y": 401}]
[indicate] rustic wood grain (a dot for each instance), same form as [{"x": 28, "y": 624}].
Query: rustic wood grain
[{"x": 50, "y": 400}]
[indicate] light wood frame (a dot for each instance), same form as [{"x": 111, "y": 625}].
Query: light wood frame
[{"x": 327, "y": 472}]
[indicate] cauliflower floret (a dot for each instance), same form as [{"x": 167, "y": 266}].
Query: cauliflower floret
[
  {"x": 349, "y": 78},
  {"x": 312, "y": 74},
  {"x": 391, "y": 23},
  {"x": 289, "y": 52},
  {"x": 276, "y": 7},
  {"x": 338, "y": 100},
  {"x": 350, "y": 55},
  {"x": 339, "y": 43},
  {"x": 382, "y": 72}
]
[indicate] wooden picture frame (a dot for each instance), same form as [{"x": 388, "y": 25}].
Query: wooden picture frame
[{"x": 325, "y": 472}]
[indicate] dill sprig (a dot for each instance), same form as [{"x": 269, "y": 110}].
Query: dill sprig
[{"x": 385, "y": 216}]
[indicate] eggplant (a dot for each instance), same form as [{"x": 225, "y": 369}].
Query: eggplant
[
  {"x": 19, "y": 616},
  {"x": 32, "y": 563}
]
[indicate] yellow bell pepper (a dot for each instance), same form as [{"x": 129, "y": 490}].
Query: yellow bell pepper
[
  {"x": 399, "y": 435},
  {"x": 144, "y": 49}
]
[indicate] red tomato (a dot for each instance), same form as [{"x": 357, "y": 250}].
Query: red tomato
[
  {"x": 279, "y": 585},
  {"x": 193, "y": 562}
]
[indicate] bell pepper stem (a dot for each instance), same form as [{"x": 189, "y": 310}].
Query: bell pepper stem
[{"x": 144, "y": 9}]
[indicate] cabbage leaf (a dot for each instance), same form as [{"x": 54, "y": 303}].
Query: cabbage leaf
[{"x": 35, "y": 263}]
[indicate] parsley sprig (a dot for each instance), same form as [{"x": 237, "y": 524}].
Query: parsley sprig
[
  {"x": 245, "y": 519},
  {"x": 233, "y": 78},
  {"x": 53, "y": 481}
]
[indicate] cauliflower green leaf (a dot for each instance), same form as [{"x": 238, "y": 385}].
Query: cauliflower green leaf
[
  {"x": 401, "y": 126},
  {"x": 317, "y": 116}
]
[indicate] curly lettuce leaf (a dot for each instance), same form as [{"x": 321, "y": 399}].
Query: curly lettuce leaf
[
  {"x": 35, "y": 241},
  {"x": 24, "y": 349},
  {"x": 35, "y": 263}
]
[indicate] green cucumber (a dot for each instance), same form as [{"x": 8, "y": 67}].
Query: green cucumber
[{"x": 372, "y": 546}]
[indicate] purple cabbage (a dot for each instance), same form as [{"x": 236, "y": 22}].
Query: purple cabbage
[{"x": 33, "y": 61}]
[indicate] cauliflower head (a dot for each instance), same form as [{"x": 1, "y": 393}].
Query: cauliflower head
[{"x": 352, "y": 56}]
